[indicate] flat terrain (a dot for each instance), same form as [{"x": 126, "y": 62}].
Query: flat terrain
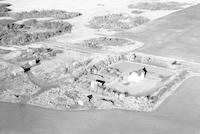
[
  {"x": 175, "y": 35},
  {"x": 179, "y": 114}
]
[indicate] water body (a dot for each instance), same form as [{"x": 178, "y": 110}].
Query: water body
[{"x": 179, "y": 114}]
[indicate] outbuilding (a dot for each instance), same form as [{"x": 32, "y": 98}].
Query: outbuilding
[
  {"x": 90, "y": 97},
  {"x": 26, "y": 68},
  {"x": 137, "y": 76},
  {"x": 101, "y": 82}
]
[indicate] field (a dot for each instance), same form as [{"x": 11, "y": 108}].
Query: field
[{"x": 168, "y": 37}]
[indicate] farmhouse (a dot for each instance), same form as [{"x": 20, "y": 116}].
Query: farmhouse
[
  {"x": 94, "y": 85},
  {"x": 137, "y": 76}
]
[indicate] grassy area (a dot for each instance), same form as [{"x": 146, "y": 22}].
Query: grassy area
[
  {"x": 37, "y": 53},
  {"x": 175, "y": 35}
]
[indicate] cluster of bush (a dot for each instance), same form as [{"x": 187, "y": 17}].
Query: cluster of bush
[
  {"x": 110, "y": 92},
  {"x": 139, "y": 20},
  {"x": 137, "y": 12},
  {"x": 103, "y": 41},
  {"x": 17, "y": 34},
  {"x": 72, "y": 94},
  {"x": 56, "y": 98},
  {"x": 151, "y": 60},
  {"x": 158, "y": 5},
  {"x": 9, "y": 31},
  {"x": 37, "y": 53},
  {"x": 78, "y": 68},
  {"x": 117, "y": 22},
  {"x": 142, "y": 103},
  {"x": 114, "y": 72},
  {"x": 58, "y": 14},
  {"x": 58, "y": 26},
  {"x": 77, "y": 73},
  {"x": 110, "y": 21},
  {"x": 102, "y": 64}
]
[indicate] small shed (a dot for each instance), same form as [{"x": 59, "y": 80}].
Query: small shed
[
  {"x": 26, "y": 68},
  {"x": 101, "y": 82},
  {"x": 90, "y": 97}
]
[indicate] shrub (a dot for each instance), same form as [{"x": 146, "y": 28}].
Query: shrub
[
  {"x": 117, "y": 22},
  {"x": 18, "y": 33},
  {"x": 98, "y": 43},
  {"x": 136, "y": 12},
  {"x": 139, "y": 20},
  {"x": 58, "y": 14}
]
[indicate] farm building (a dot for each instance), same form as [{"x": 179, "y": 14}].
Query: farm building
[
  {"x": 96, "y": 83},
  {"x": 137, "y": 76}
]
